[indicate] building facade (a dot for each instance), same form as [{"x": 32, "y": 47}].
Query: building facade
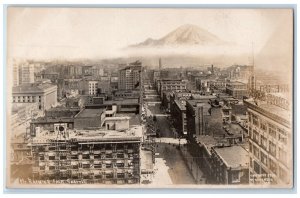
[
  {"x": 130, "y": 78},
  {"x": 75, "y": 157},
  {"x": 270, "y": 141},
  {"x": 44, "y": 94}
]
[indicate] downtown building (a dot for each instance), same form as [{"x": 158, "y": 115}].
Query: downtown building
[
  {"x": 270, "y": 140},
  {"x": 130, "y": 77},
  {"x": 87, "y": 156},
  {"x": 45, "y": 95}
]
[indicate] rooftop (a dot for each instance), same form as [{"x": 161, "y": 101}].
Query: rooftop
[
  {"x": 233, "y": 156},
  {"x": 272, "y": 111},
  {"x": 132, "y": 134},
  {"x": 52, "y": 120},
  {"x": 90, "y": 113},
  {"x": 33, "y": 88},
  {"x": 239, "y": 109},
  {"x": 207, "y": 141},
  {"x": 180, "y": 104}
]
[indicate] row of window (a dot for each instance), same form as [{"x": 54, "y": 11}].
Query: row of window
[
  {"x": 272, "y": 130},
  {"x": 282, "y": 154},
  {"x": 26, "y": 98}
]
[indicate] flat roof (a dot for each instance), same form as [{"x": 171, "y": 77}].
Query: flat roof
[
  {"x": 33, "y": 88},
  {"x": 233, "y": 156},
  {"x": 99, "y": 135},
  {"x": 90, "y": 113},
  {"x": 270, "y": 108},
  {"x": 52, "y": 120}
]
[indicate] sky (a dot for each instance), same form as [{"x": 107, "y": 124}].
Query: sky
[{"x": 74, "y": 33}]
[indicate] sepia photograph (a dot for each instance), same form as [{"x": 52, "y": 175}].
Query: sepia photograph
[{"x": 120, "y": 97}]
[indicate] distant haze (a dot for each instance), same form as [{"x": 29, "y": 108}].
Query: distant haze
[{"x": 211, "y": 35}]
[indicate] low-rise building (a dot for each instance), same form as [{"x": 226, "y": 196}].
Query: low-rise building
[
  {"x": 237, "y": 89},
  {"x": 230, "y": 165},
  {"x": 89, "y": 118},
  {"x": 44, "y": 94}
]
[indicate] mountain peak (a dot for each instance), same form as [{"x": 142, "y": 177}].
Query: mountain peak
[{"x": 187, "y": 34}]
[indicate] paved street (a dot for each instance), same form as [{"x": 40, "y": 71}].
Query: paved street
[
  {"x": 170, "y": 166},
  {"x": 177, "y": 169}
]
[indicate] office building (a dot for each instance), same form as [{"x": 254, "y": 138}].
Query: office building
[
  {"x": 270, "y": 140},
  {"x": 81, "y": 156},
  {"x": 130, "y": 77}
]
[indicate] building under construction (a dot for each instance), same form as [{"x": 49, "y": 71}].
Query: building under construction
[{"x": 87, "y": 156}]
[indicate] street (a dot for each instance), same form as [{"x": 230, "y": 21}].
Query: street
[{"x": 170, "y": 166}]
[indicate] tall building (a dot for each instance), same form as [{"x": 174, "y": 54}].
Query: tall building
[
  {"x": 93, "y": 87},
  {"x": 16, "y": 77},
  {"x": 26, "y": 73},
  {"x": 130, "y": 77},
  {"x": 270, "y": 140},
  {"x": 81, "y": 156}
]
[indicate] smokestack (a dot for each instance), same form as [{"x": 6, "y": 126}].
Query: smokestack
[{"x": 212, "y": 69}]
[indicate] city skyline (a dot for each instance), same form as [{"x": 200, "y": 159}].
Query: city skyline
[{"x": 158, "y": 98}]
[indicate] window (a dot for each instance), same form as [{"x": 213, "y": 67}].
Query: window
[
  {"x": 282, "y": 155},
  {"x": 108, "y": 165},
  {"x": 109, "y": 175},
  {"x": 250, "y": 147},
  {"x": 256, "y": 167},
  {"x": 255, "y": 120},
  {"x": 98, "y": 166},
  {"x": 263, "y": 126},
  {"x": 282, "y": 136},
  {"x": 272, "y": 148},
  {"x": 120, "y": 175},
  {"x": 255, "y": 136},
  {"x": 120, "y": 165},
  {"x": 85, "y": 166},
  {"x": 235, "y": 176},
  {"x": 256, "y": 151},
  {"x": 63, "y": 157},
  {"x": 120, "y": 155},
  {"x": 51, "y": 167},
  {"x": 42, "y": 157},
  {"x": 86, "y": 156},
  {"x": 273, "y": 166},
  {"x": 51, "y": 157},
  {"x": 42, "y": 168},
  {"x": 108, "y": 156},
  {"x": 264, "y": 158},
  {"x": 51, "y": 148},
  {"x": 263, "y": 142},
  {"x": 272, "y": 131}
]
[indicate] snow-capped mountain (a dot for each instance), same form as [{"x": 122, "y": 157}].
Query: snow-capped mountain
[{"x": 183, "y": 35}]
